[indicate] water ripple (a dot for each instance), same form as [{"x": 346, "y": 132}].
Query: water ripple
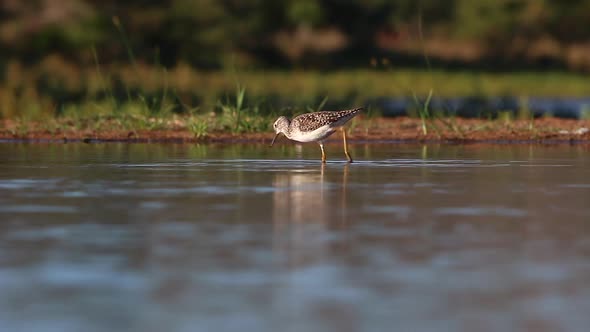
[
  {"x": 482, "y": 211},
  {"x": 31, "y": 208}
]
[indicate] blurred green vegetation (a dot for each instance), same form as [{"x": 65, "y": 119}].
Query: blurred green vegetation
[
  {"x": 291, "y": 33},
  {"x": 80, "y": 58}
]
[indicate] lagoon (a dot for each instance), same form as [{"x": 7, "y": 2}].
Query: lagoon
[{"x": 220, "y": 237}]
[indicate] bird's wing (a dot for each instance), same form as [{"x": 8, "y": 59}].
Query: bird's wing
[{"x": 315, "y": 120}]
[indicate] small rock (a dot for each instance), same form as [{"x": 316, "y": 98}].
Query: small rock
[
  {"x": 581, "y": 131},
  {"x": 563, "y": 132}
]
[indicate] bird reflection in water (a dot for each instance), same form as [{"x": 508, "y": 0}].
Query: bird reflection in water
[
  {"x": 309, "y": 214},
  {"x": 310, "y": 196},
  {"x": 307, "y": 206}
]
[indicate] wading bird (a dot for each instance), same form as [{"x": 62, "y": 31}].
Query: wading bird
[{"x": 315, "y": 127}]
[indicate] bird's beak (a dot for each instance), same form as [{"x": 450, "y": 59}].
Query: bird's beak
[{"x": 274, "y": 139}]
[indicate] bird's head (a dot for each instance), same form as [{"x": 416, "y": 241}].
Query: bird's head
[{"x": 280, "y": 126}]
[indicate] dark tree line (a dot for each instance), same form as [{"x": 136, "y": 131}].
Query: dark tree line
[{"x": 212, "y": 33}]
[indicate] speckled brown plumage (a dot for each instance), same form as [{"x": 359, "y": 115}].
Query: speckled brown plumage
[
  {"x": 312, "y": 121},
  {"x": 315, "y": 127}
]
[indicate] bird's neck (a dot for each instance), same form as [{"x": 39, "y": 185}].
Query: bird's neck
[
  {"x": 288, "y": 129},
  {"x": 287, "y": 132}
]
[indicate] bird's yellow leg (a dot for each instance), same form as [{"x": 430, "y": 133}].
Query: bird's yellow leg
[
  {"x": 323, "y": 153},
  {"x": 345, "y": 145}
]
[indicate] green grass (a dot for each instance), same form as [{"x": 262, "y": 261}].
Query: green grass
[
  {"x": 199, "y": 127},
  {"x": 145, "y": 96},
  {"x": 424, "y": 111},
  {"x": 56, "y": 96}
]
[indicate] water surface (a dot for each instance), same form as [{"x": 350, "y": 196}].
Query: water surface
[{"x": 147, "y": 237}]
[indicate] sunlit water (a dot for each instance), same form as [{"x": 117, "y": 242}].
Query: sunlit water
[{"x": 139, "y": 237}]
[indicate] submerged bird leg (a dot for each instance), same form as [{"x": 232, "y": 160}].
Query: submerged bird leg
[
  {"x": 323, "y": 153},
  {"x": 345, "y": 145}
]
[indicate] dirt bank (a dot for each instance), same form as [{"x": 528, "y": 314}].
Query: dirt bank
[{"x": 545, "y": 130}]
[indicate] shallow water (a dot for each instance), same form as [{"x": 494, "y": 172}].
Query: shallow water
[{"x": 140, "y": 237}]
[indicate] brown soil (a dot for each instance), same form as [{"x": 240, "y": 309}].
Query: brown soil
[{"x": 545, "y": 130}]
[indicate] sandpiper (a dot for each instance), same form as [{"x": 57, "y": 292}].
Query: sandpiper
[{"x": 315, "y": 127}]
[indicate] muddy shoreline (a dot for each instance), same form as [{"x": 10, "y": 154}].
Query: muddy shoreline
[{"x": 376, "y": 130}]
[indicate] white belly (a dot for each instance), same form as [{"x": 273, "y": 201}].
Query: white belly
[{"x": 312, "y": 136}]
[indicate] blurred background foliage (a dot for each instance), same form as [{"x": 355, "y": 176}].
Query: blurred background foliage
[
  {"x": 320, "y": 34},
  {"x": 186, "y": 55}
]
